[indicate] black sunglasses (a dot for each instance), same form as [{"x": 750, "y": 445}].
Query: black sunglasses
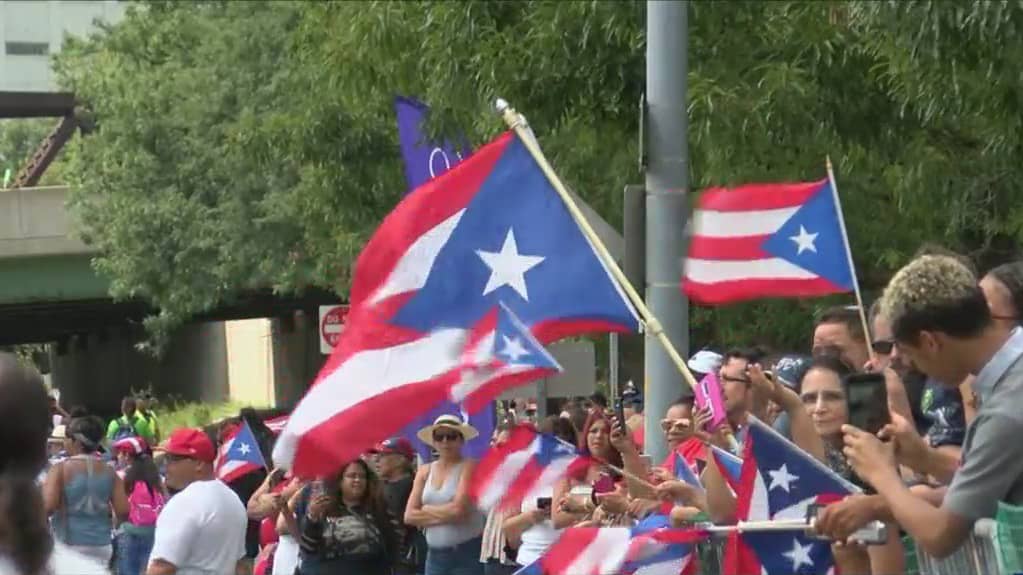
[
  {"x": 441, "y": 437},
  {"x": 882, "y": 346}
]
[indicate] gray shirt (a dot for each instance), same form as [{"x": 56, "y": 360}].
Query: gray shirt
[{"x": 991, "y": 466}]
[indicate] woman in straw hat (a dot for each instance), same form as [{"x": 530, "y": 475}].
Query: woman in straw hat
[{"x": 439, "y": 503}]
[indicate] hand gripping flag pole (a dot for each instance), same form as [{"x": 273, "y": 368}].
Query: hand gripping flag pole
[
  {"x": 848, "y": 255},
  {"x": 653, "y": 326}
]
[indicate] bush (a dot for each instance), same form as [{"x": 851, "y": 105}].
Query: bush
[{"x": 194, "y": 414}]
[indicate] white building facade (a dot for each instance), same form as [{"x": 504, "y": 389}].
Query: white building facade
[{"x": 32, "y": 31}]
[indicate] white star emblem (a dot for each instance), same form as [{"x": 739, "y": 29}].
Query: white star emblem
[
  {"x": 782, "y": 478},
  {"x": 512, "y": 349},
  {"x": 508, "y": 267},
  {"x": 804, "y": 241},
  {"x": 799, "y": 555},
  {"x": 244, "y": 448}
]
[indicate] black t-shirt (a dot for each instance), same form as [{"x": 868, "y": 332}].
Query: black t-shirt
[{"x": 396, "y": 493}]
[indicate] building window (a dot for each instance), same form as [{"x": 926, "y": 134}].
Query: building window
[{"x": 26, "y": 48}]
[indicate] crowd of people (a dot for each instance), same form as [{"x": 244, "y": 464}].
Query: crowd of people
[{"x": 119, "y": 498}]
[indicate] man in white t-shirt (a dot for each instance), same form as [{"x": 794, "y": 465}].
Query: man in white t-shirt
[{"x": 201, "y": 530}]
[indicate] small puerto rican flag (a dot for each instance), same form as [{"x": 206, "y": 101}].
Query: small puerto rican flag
[{"x": 239, "y": 455}]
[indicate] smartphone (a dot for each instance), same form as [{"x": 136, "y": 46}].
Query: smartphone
[
  {"x": 620, "y": 413},
  {"x": 276, "y": 476},
  {"x": 647, "y": 460},
  {"x": 543, "y": 503},
  {"x": 605, "y": 484},
  {"x": 867, "y": 397},
  {"x": 317, "y": 488}
]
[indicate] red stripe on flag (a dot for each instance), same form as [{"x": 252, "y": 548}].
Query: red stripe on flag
[
  {"x": 420, "y": 211},
  {"x": 522, "y": 484},
  {"x": 521, "y": 438},
  {"x": 742, "y": 290},
  {"x": 323, "y": 450},
  {"x": 572, "y": 543},
  {"x": 753, "y": 197},
  {"x": 735, "y": 248}
]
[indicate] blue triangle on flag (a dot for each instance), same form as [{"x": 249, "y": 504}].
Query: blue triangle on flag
[
  {"x": 812, "y": 239},
  {"x": 244, "y": 447},
  {"x": 514, "y": 344}
]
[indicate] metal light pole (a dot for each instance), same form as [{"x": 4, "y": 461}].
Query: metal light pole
[{"x": 667, "y": 180}]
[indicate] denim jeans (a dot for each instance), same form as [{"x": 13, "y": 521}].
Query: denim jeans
[
  {"x": 133, "y": 553},
  {"x": 495, "y": 567},
  {"x": 462, "y": 559}
]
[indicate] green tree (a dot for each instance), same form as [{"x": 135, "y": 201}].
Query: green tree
[{"x": 253, "y": 144}]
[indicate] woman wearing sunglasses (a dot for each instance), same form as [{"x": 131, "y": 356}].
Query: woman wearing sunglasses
[{"x": 439, "y": 503}]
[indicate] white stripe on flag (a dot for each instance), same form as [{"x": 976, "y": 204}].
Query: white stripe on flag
[
  {"x": 413, "y": 269},
  {"x": 505, "y": 474},
  {"x": 714, "y": 271},
  {"x": 367, "y": 374},
  {"x": 604, "y": 555},
  {"x": 714, "y": 224}
]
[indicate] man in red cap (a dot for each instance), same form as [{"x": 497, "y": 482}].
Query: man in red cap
[
  {"x": 395, "y": 465},
  {"x": 202, "y": 528}
]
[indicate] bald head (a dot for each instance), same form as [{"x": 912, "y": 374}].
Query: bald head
[
  {"x": 935, "y": 293},
  {"x": 24, "y": 417}
]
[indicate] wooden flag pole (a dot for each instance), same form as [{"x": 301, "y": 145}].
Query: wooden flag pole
[
  {"x": 517, "y": 123},
  {"x": 849, "y": 259}
]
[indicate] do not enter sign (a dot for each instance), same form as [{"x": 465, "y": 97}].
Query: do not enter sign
[{"x": 332, "y": 323}]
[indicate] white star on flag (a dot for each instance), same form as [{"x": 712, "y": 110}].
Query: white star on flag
[
  {"x": 782, "y": 478},
  {"x": 512, "y": 349},
  {"x": 799, "y": 555},
  {"x": 244, "y": 448},
  {"x": 508, "y": 267},
  {"x": 804, "y": 241}
]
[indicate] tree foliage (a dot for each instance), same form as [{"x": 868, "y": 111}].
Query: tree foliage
[{"x": 253, "y": 144}]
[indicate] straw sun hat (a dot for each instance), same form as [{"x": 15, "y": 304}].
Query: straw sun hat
[{"x": 447, "y": 422}]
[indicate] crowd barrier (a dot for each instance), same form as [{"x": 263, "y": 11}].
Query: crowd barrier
[{"x": 978, "y": 556}]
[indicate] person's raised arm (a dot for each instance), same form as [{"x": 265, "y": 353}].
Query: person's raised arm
[
  {"x": 720, "y": 499},
  {"x": 803, "y": 432},
  {"x": 263, "y": 503}
]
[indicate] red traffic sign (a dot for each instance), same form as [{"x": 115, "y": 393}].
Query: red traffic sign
[{"x": 332, "y": 324}]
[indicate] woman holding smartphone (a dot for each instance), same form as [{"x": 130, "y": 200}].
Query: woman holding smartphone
[{"x": 598, "y": 498}]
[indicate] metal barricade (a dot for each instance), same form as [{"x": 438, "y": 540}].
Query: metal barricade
[{"x": 977, "y": 556}]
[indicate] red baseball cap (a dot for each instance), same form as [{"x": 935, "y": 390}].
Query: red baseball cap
[
  {"x": 398, "y": 445},
  {"x": 192, "y": 443}
]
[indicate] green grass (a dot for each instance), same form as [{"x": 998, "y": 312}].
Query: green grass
[{"x": 194, "y": 414}]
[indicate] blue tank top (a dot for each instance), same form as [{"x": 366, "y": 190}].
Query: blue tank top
[{"x": 84, "y": 518}]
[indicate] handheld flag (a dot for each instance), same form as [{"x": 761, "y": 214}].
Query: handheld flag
[
  {"x": 492, "y": 230},
  {"x": 683, "y": 472},
  {"x": 529, "y": 462},
  {"x": 239, "y": 455},
  {"x": 781, "y": 481},
  {"x": 729, "y": 464},
  {"x": 767, "y": 240},
  {"x": 649, "y": 547}
]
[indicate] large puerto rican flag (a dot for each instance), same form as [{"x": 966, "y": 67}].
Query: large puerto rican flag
[
  {"x": 767, "y": 240},
  {"x": 490, "y": 231}
]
